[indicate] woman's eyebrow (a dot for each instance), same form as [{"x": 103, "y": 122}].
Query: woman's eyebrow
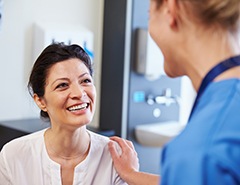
[
  {"x": 65, "y": 78},
  {"x": 86, "y": 73}
]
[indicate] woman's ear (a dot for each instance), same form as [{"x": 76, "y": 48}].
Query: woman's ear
[
  {"x": 40, "y": 102},
  {"x": 172, "y": 8}
]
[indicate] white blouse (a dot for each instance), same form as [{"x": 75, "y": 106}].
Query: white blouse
[{"x": 24, "y": 161}]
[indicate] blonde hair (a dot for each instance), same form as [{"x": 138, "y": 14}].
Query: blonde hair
[{"x": 224, "y": 13}]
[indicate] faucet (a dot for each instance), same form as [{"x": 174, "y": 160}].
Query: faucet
[{"x": 165, "y": 99}]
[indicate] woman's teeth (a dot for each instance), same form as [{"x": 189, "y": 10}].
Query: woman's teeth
[{"x": 78, "y": 107}]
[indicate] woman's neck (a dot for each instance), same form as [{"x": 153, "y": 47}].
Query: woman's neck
[{"x": 67, "y": 144}]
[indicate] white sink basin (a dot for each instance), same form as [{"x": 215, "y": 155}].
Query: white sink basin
[{"x": 157, "y": 134}]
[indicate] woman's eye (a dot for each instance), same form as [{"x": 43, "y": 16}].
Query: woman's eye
[
  {"x": 87, "y": 80},
  {"x": 62, "y": 85}
]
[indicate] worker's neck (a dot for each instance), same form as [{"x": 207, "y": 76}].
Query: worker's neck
[{"x": 206, "y": 52}]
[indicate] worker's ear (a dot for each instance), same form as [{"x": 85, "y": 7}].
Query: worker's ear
[
  {"x": 40, "y": 102},
  {"x": 172, "y": 12}
]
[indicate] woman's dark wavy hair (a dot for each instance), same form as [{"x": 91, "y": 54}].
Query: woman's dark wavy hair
[{"x": 52, "y": 54}]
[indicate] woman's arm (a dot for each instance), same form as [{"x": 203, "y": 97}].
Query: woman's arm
[
  {"x": 4, "y": 174},
  {"x": 127, "y": 164}
]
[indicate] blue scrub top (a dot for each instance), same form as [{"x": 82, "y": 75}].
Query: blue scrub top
[{"x": 208, "y": 150}]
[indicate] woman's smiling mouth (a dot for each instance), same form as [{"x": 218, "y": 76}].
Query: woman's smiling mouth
[{"x": 78, "y": 107}]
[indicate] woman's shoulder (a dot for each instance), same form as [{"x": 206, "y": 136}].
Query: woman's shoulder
[
  {"x": 100, "y": 139},
  {"x": 23, "y": 143}
]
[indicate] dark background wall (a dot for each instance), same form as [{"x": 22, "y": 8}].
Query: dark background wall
[
  {"x": 113, "y": 65},
  {"x": 113, "y": 86}
]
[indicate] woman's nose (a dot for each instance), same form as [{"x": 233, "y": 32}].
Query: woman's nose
[{"x": 77, "y": 91}]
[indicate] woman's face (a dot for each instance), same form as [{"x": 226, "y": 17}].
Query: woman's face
[
  {"x": 161, "y": 32},
  {"x": 70, "y": 94}
]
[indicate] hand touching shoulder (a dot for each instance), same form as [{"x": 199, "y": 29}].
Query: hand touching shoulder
[{"x": 127, "y": 163}]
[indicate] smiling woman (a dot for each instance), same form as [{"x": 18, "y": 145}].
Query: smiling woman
[{"x": 62, "y": 86}]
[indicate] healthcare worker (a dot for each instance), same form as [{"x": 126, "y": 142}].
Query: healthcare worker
[{"x": 198, "y": 38}]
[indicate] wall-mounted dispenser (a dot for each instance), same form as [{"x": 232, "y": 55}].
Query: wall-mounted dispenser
[
  {"x": 47, "y": 33},
  {"x": 149, "y": 58}
]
